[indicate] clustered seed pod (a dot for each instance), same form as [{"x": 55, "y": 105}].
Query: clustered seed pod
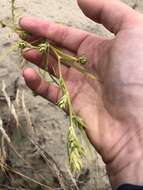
[
  {"x": 22, "y": 45},
  {"x": 78, "y": 122},
  {"x": 63, "y": 101},
  {"x": 82, "y": 60},
  {"x": 43, "y": 47},
  {"x": 75, "y": 151}
]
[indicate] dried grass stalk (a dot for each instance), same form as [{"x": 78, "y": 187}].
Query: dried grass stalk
[
  {"x": 4, "y": 134},
  {"x": 10, "y": 105},
  {"x": 27, "y": 114}
]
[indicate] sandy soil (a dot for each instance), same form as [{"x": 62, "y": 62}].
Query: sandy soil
[{"x": 48, "y": 121}]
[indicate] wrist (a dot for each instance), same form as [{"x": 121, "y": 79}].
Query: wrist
[{"x": 127, "y": 165}]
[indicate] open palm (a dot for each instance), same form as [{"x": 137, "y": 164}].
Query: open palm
[{"x": 111, "y": 106}]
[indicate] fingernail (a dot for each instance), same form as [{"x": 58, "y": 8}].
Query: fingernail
[
  {"x": 26, "y": 49},
  {"x": 25, "y": 52},
  {"x": 20, "y": 19}
]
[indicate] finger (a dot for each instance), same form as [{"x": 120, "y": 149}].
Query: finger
[
  {"x": 46, "y": 63},
  {"x": 67, "y": 37},
  {"x": 41, "y": 87},
  {"x": 114, "y": 15},
  {"x": 30, "y": 38}
]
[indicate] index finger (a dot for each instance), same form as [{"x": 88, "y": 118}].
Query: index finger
[
  {"x": 113, "y": 14},
  {"x": 67, "y": 37}
]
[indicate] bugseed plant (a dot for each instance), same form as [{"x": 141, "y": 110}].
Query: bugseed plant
[{"x": 75, "y": 149}]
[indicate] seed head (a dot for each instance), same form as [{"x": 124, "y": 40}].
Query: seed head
[
  {"x": 22, "y": 45},
  {"x": 43, "y": 47},
  {"x": 82, "y": 60},
  {"x": 75, "y": 151}
]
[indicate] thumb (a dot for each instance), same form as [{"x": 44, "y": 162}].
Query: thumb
[{"x": 113, "y": 14}]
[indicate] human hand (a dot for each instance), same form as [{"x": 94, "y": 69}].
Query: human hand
[{"x": 112, "y": 105}]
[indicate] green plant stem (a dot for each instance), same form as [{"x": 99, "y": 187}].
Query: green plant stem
[
  {"x": 74, "y": 149},
  {"x": 64, "y": 88},
  {"x": 71, "y": 61},
  {"x": 69, "y": 104},
  {"x": 13, "y": 11},
  {"x": 66, "y": 57}
]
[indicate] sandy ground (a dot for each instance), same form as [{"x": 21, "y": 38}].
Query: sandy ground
[{"x": 49, "y": 122}]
